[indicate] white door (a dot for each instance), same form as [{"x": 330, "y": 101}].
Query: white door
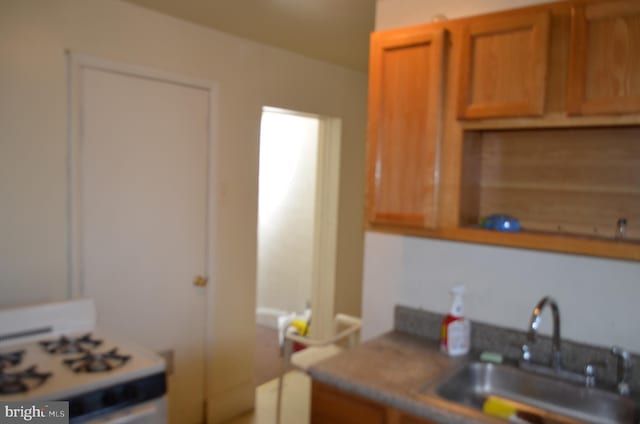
[{"x": 142, "y": 213}]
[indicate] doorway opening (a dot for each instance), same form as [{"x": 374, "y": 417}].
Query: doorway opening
[{"x": 297, "y": 226}]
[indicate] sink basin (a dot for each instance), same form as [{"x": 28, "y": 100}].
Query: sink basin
[{"x": 545, "y": 399}]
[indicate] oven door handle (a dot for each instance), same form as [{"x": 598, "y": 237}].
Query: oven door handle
[{"x": 137, "y": 414}]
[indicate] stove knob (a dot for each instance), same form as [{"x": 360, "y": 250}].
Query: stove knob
[
  {"x": 130, "y": 392},
  {"x": 109, "y": 398}
]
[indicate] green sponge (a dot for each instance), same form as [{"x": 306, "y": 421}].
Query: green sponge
[{"x": 493, "y": 357}]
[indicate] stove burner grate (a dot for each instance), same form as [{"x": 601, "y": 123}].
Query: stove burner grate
[
  {"x": 11, "y": 358},
  {"x": 22, "y": 381},
  {"x": 97, "y": 362},
  {"x": 65, "y": 345}
]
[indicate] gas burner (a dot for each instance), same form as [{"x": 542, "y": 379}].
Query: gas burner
[
  {"x": 65, "y": 345},
  {"x": 23, "y": 381},
  {"x": 97, "y": 362},
  {"x": 10, "y": 358}
]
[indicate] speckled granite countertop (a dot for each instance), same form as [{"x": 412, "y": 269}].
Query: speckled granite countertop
[
  {"x": 392, "y": 369},
  {"x": 401, "y": 368}
]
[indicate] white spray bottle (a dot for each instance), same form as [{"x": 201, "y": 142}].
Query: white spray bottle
[{"x": 455, "y": 332}]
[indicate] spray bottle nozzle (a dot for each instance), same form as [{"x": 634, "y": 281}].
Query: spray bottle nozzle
[{"x": 457, "y": 290}]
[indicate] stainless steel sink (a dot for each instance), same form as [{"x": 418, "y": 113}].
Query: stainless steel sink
[{"x": 541, "y": 399}]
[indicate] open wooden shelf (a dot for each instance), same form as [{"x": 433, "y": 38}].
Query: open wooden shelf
[{"x": 568, "y": 187}]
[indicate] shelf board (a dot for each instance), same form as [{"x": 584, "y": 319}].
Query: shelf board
[
  {"x": 556, "y": 120},
  {"x": 534, "y": 240},
  {"x": 568, "y": 188}
]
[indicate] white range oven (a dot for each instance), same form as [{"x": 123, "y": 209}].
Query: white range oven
[{"x": 54, "y": 352}]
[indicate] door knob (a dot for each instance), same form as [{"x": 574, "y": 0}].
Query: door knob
[{"x": 200, "y": 281}]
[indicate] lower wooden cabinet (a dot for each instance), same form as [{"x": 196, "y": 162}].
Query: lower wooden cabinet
[{"x": 330, "y": 405}]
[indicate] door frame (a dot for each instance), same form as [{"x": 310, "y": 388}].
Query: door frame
[
  {"x": 76, "y": 63},
  {"x": 325, "y": 237}
]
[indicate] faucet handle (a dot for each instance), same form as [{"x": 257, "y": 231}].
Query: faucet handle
[
  {"x": 526, "y": 352},
  {"x": 624, "y": 369},
  {"x": 590, "y": 372},
  {"x": 589, "y": 375}
]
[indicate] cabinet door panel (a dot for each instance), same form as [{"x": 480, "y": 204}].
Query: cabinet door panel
[
  {"x": 409, "y": 419},
  {"x": 604, "y": 61},
  {"x": 330, "y": 405},
  {"x": 405, "y": 106},
  {"x": 503, "y": 67},
  {"x": 396, "y": 416},
  {"x": 333, "y": 406}
]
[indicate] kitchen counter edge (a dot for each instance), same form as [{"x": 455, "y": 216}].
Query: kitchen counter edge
[{"x": 396, "y": 369}]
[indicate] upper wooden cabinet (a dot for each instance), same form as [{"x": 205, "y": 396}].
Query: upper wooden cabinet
[
  {"x": 495, "y": 114},
  {"x": 405, "y": 106},
  {"x": 604, "y": 60},
  {"x": 503, "y": 65}
]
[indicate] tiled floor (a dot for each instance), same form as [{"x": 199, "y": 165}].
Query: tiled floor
[{"x": 296, "y": 401}]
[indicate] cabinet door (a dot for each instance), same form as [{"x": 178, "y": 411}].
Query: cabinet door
[
  {"x": 332, "y": 406},
  {"x": 503, "y": 68},
  {"x": 410, "y": 419},
  {"x": 604, "y": 61},
  {"x": 405, "y": 106},
  {"x": 395, "y": 416}
]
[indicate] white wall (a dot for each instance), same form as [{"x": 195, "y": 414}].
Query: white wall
[
  {"x": 286, "y": 210},
  {"x": 598, "y": 298},
  {"x": 33, "y": 150},
  {"x": 401, "y": 13}
]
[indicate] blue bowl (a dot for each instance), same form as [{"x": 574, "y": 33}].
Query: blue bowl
[{"x": 499, "y": 222}]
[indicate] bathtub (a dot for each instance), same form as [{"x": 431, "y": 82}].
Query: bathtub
[{"x": 268, "y": 317}]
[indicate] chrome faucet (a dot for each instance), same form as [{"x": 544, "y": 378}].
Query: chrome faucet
[{"x": 534, "y": 323}]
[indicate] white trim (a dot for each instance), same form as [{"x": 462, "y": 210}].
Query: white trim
[
  {"x": 325, "y": 240},
  {"x": 76, "y": 62},
  {"x": 271, "y": 109},
  {"x": 74, "y": 274},
  {"x": 211, "y": 250},
  {"x": 87, "y": 61}
]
